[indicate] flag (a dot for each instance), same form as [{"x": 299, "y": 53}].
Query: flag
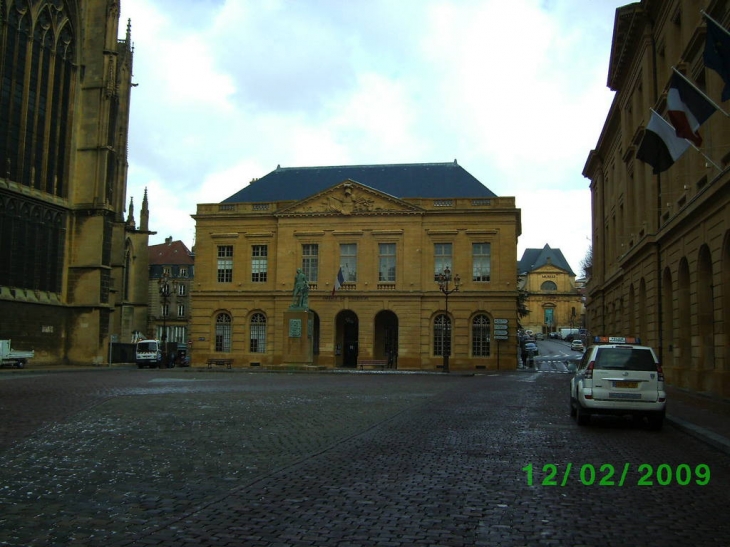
[
  {"x": 717, "y": 53},
  {"x": 660, "y": 146},
  {"x": 687, "y": 108},
  {"x": 339, "y": 281}
]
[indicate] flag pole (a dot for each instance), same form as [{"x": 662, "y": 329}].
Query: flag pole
[
  {"x": 689, "y": 141},
  {"x": 703, "y": 12},
  {"x": 713, "y": 103}
]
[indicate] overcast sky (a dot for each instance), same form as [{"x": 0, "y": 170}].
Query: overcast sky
[{"x": 514, "y": 90}]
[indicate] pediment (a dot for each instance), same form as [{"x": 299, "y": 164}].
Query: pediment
[{"x": 349, "y": 198}]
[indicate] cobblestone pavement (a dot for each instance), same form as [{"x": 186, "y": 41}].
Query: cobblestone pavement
[{"x": 236, "y": 459}]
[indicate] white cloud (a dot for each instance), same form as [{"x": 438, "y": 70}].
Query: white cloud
[{"x": 230, "y": 89}]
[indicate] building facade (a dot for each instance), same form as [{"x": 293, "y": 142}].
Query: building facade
[
  {"x": 391, "y": 230},
  {"x": 661, "y": 243},
  {"x": 553, "y": 296},
  {"x": 73, "y": 273},
  {"x": 172, "y": 273}
]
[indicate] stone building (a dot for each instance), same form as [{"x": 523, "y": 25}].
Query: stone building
[
  {"x": 172, "y": 272},
  {"x": 554, "y": 299},
  {"x": 391, "y": 230},
  {"x": 73, "y": 272},
  {"x": 661, "y": 242}
]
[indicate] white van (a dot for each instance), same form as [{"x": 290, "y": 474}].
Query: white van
[{"x": 148, "y": 354}]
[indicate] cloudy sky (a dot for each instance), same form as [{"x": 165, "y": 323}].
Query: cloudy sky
[{"x": 229, "y": 89}]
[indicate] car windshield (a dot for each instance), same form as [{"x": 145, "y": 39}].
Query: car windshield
[
  {"x": 625, "y": 359},
  {"x": 147, "y": 346}
]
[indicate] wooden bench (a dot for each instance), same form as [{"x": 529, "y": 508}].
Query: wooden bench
[
  {"x": 373, "y": 363},
  {"x": 219, "y": 362}
]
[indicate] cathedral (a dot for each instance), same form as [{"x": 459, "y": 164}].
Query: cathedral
[{"x": 74, "y": 261}]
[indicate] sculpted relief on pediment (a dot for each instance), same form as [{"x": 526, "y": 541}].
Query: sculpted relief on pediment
[{"x": 350, "y": 198}]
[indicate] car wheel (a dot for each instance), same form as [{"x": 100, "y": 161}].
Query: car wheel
[
  {"x": 582, "y": 416},
  {"x": 656, "y": 421}
]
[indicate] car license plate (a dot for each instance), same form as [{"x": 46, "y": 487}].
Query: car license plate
[
  {"x": 633, "y": 396},
  {"x": 626, "y": 384}
]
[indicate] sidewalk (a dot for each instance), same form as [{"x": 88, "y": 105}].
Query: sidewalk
[{"x": 702, "y": 416}]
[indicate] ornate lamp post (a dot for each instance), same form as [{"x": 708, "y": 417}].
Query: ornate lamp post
[{"x": 444, "y": 279}]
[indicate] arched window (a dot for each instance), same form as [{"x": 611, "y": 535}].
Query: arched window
[
  {"x": 223, "y": 332},
  {"x": 442, "y": 335},
  {"x": 549, "y": 286},
  {"x": 37, "y": 74},
  {"x": 480, "y": 336},
  {"x": 258, "y": 333}
]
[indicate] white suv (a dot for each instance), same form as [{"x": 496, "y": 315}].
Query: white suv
[{"x": 618, "y": 376}]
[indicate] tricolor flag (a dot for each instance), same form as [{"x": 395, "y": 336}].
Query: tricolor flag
[
  {"x": 339, "y": 281},
  {"x": 717, "y": 52},
  {"x": 660, "y": 146},
  {"x": 687, "y": 108}
]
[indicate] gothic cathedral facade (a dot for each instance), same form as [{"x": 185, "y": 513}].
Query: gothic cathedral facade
[{"x": 73, "y": 269}]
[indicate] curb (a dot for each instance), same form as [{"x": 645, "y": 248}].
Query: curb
[{"x": 705, "y": 435}]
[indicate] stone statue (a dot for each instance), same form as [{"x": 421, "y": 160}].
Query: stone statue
[{"x": 300, "y": 300}]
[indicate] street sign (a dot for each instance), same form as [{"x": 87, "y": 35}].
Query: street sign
[
  {"x": 501, "y": 321},
  {"x": 501, "y": 332},
  {"x": 501, "y": 337}
]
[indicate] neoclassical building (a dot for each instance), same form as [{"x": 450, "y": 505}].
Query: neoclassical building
[
  {"x": 661, "y": 243},
  {"x": 554, "y": 298},
  {"x": 73, "y": 272},
  {"x": 391, "y": 230}
]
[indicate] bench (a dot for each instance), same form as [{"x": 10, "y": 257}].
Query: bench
[
  {"x": 372, "y": 363},
  {"x": 219, "y": 362}
]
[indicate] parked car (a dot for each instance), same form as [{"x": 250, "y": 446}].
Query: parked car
[
  {"x": 577, "y": 345},
  {"x": 539, "y": 336},
  {"x": 531, "y": 347},
  {"x": 619, "y": 376}
]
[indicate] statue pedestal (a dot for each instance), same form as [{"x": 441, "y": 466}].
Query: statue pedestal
[{"x": 298, "y": 326}]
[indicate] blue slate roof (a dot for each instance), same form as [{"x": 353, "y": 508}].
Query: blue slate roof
[
  {"x": 532, "y": 259},
  {"x": 415, "y": 180}
]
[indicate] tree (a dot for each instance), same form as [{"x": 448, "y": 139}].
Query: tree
[{"x": 587, "y": 263}]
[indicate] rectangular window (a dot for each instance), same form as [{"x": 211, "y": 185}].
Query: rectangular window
[
  {"x": 442, "y": 258},
  {"x": 348, "y": 261},
  {"x": 183, "y": 272},
  {"x": 259, "y": 263},
  {"x": 182, "y": 290},
  {"x": 257, "y": 342},
  {"x": 310, "y": 261},
  {"x": 225, "y": 263},
  {"x": 164, "y": 310},
  {"x": 481, "y": 256},
  {"x": 386, "y": 271},
  {"x": 181, "y": 310}
]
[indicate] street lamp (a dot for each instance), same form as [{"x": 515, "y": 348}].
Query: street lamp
[{"x": 444, "y": 279}]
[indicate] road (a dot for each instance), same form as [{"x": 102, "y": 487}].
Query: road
[
  {"x": 556, "y": 356},
  {"x": 185, "y": 457}
]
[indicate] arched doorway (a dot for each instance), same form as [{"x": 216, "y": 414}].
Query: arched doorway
[
  {"x": 347, "y": 339},
  {"x": 385, "y": 343}
]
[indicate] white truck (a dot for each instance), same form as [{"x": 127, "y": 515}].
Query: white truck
[
  {"x": 564, "y": 333},
  {"x": 148, "y": 353},
  {"x": 12, "y": 357}
]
